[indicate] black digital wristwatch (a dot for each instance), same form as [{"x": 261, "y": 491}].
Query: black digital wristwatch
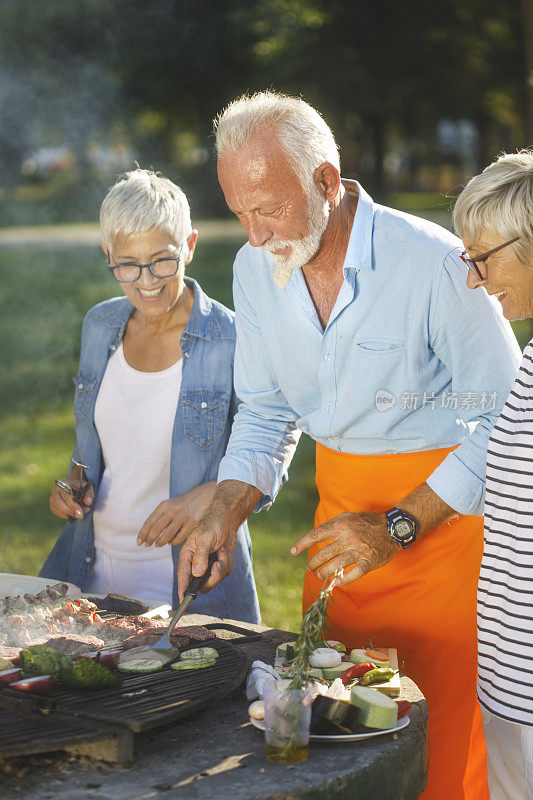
[{"x": 402, "y": 527}]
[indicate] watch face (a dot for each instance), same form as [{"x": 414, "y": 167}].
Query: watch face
[{"x": 403, "y": 529}]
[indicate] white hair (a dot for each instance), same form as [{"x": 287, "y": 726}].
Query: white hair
[
  {"x": 304, "y": 136},
  {"x": 500, "y": 199},
  {"x": 141, "y": 201}
]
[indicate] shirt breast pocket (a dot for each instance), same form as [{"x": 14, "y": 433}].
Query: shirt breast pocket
[
  {"x": 381, "y": 347},
  {"x": 83, "y": 395},
  {"x": 205, "y": 414}
]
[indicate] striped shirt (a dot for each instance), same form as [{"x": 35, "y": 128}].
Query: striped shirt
[{"x": 505, "y": 592}]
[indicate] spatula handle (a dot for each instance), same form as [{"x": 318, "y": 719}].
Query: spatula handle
[{"x": 195, "y": 584}]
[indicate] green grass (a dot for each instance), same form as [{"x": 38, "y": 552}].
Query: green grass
[{"x": 43, "y": 296}]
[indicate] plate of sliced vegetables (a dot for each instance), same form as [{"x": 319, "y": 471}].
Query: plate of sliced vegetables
[{"x": 343, "y": 737}]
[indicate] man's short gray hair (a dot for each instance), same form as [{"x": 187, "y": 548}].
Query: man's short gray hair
[
  {"x": 500, "y": 199},
  {"x": 140, "y": 201},
  {"x": 304, "y": 136}
]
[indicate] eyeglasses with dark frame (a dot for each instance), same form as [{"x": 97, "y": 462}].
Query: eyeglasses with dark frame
[
  {"x": 472, "y": 263},
  {"x": 160, "y": 268}
]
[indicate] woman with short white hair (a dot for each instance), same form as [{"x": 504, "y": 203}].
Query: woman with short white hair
[
  {"x": 494, "y": 217},
  {"x": 153, "y": 407}
]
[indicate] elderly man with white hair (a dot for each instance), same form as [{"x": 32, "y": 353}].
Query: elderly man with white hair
[{"x": 355, "y": 326}]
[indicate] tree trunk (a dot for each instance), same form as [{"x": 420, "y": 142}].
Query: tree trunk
[{"x": 527, "y": 17}]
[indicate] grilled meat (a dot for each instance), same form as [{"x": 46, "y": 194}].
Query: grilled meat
[
  {"x": 75, "y": 645},
  {"x": 9, "y": 652},
  {"x": 149, "y": 638},
  {"x": 179, "y": 638}
]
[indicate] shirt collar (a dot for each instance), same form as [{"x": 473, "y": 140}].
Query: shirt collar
[
  {"x": 359, "y": 250},
  {"x": 201, "y": 321}
]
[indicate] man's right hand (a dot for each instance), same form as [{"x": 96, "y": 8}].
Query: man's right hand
[
  {"x": 209, "y": 536},
  {"x": 216, "y": 532}
]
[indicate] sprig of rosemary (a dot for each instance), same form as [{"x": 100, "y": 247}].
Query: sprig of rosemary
[{"x": 311, "y": 632}]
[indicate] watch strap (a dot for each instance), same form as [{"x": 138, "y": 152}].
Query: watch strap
[{"x": 394, "y": 515}]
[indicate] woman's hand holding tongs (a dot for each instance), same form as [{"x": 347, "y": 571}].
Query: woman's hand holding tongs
[{"x": 71, "y": 499}]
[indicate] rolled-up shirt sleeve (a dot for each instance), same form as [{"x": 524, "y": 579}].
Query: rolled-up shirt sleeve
[
  {"x": 471, "y": 337},
  {"x": 264, "y": 434}
]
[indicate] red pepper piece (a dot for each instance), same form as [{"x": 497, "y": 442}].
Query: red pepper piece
[
  {"x": 404, "y": 707},
  {"x": 355, "y": 672}
]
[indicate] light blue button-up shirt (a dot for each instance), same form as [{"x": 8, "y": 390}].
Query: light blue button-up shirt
[{"x": 410, "y": 360}]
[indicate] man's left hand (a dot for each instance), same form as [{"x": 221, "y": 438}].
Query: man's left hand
[{"x": 361, "y": 540}]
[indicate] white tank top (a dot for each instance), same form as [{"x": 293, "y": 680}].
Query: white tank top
[{"x": 134, "y": 416}]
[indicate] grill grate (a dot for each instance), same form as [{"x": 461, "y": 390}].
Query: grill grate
[
  {"x": 171, "y": 695},
  {"x": 27, "y": 733}
]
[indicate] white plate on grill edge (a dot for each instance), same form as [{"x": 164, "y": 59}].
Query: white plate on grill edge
[
  {"x": 12, "y": 584},
  {"x": 343, "y": 737}
]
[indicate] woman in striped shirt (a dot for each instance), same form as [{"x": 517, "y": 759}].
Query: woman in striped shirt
[{"x": 494, "y": 217}]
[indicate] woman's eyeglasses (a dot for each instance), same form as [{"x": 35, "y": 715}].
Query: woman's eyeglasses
[
  {"x": 160, "y": 268},
  {"x": 473, "y": 263}
]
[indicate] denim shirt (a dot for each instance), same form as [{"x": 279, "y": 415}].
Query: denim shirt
[{"x": 205, "y": 411}]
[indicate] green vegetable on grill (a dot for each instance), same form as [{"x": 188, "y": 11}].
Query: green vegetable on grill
[
  {"x": 91, "y": 675},
  {"x": 199, "y": 654},
  {"x": 194, "y": 663},
  {"x": 41, "y": 660},
  {"x": 140, "y": 665}
]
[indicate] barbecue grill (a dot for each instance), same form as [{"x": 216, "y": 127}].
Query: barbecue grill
[{"x": 30, "y": 724}]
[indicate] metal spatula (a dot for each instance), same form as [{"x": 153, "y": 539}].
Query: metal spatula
[{"x": 163, "y": 650}]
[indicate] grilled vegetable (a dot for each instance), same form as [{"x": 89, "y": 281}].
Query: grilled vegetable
[
  {"x": 8, "y": 676},
  {"x": 5, "y": 664},
  {"x": 199, "y": 654},
  {"x": 356, "y": 671},
  {"x": 109, "y": 658},
  {"x": 195, "y": 663},
  {"x": 376, "y": 676},
  {"x": 42, "y": 660},
  {"x": 140, "y": 665},
  {"x": 89, "y": 674},
  {"x": 40, "y": 684}
]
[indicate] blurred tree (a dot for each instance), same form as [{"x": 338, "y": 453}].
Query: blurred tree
[
  {"x": 157, "y": 71},
  {"x": 56, "y": 81}
]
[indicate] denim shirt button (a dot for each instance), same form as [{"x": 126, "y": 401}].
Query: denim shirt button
[
  {"x": 203, "y": 405},
  {"x": 80, "y": 385},
  {"x": 185, "y": 355},
  {"x": 87, "y": 559},
  {"x": 113, "y": 347}
]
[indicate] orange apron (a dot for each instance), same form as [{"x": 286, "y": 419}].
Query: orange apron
[{"x": 423, "y": 603}]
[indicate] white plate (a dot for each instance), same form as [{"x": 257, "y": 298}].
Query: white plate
[
  {"x": 13, "y": 584},
  {"x": 343, "y": 737}
]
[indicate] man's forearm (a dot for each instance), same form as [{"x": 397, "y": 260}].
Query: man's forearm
[
  {"x": 427, "y": 508},
  {"x": 233, "y": 501}
]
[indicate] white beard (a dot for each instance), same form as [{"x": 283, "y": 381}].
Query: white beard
[{"x": 302, "y": 250}]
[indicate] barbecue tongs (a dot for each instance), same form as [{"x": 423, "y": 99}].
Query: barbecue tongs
[{"x": 163, "y": 650}]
